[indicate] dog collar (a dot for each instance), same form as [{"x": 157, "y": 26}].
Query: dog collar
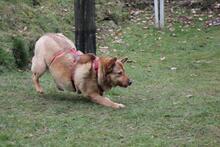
[{"x": 95, "y": 65}]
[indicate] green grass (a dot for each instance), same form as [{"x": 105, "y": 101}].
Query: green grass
[{"x": 164, "y": 107}]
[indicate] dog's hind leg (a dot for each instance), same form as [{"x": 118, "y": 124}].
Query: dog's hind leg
[{"x": 38, "y": 68}]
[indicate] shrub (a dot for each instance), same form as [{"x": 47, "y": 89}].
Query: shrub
[
  {"x": 20, "y": 53},
  {"x": 31, "y": 46},
  {"x": 6, "y": 60}
]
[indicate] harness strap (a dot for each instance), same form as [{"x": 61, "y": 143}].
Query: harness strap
[
  {"x": 63, "y": 52},
  {"x": 76, "y": 55}
]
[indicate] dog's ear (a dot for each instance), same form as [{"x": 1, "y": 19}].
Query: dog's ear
[
  {"x": 124, "y": 60},
  {"x": 110, "y": 64}
]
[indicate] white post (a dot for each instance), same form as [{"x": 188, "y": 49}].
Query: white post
[
  {"x": 161, "y": 13},
  {"x": 156, "y": 13}
]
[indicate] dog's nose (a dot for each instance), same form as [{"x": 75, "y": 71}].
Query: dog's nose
[{"x": 129, "y": 82}]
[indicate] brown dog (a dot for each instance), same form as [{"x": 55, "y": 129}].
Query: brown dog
[{"x": 74, "y": 71}]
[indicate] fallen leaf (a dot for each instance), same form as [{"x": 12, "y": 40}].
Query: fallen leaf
[
  {"x": 189, "y": 95},
  {"x": 173, "y": 68},
  {"x": 200, "y": 19},
  {"x": 162, "y": 58},
  {"x": 104, "y": 49}
]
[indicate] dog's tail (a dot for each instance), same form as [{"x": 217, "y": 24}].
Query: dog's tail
[{"x": 85, "y": 58}]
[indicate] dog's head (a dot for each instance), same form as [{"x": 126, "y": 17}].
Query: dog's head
[{"x": 115, "y": 72}]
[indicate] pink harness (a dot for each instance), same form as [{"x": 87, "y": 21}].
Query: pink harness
[
  {"x": 76, "y": 54},
  {"x": 58, "y": 54}
]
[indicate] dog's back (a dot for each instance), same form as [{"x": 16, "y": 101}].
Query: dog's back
[{"x": 49, "y": 44}]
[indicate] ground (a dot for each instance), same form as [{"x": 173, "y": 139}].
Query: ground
[{"x": 174, "y": 99}]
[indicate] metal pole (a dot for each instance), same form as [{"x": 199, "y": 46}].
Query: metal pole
[
  {"x": 161, "y": 13},
  {"x": 156, "y": 13}
]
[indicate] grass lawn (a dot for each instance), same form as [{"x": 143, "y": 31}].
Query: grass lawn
[{"x": 174, "y": 99}]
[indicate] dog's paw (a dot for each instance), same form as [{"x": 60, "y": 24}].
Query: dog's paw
[
  {"x": 40, "y": 91},
  {"x": 121, "y": 105},
  {"x": 118, "y": 106}
]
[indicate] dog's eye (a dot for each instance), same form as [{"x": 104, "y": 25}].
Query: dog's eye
[{"x": 119, "y": 73}]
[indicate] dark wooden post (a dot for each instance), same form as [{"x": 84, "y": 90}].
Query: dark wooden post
[{"x": 85, "y": 35}]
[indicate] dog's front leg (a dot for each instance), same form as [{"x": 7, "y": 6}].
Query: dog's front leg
[{"x": 97, "y": 98}]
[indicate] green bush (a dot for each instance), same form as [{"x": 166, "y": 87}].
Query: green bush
[
  {"x": 31, "y": 46},
  {"x": 20, "y": 53},
  {"x": 6, "y": 61}
]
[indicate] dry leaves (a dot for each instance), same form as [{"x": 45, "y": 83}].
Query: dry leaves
[{"x": 104, "y": 49}]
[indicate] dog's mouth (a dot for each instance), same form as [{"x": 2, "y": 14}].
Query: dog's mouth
[{"x": 125, "y": 85}]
